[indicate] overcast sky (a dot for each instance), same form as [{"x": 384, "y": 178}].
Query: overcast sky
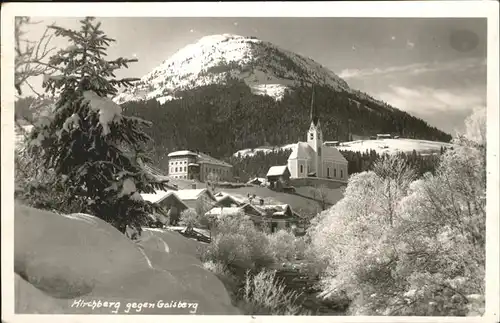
[{"x": 433, "y": 68}]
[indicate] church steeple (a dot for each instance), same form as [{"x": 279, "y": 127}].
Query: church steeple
[
  {"x": 315, "y": 139},
  {"x": 314, "y": 115}
]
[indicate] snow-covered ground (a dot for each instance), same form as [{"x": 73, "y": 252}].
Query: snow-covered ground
[
  {"x": 392, "y": 146},
  {"x": 381, "y": 146}
]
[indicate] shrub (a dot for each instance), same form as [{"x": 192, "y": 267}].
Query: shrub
[
  {"x": 229, "y": 249},
  {"x": 284, "y": 245},
  {"x": 237, "y": 242},
  {"x": 190, "y": 218},
  {"x": 263, "y": 294}
]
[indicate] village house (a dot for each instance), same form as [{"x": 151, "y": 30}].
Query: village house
[
  {"x": 384, "y": 136},
  {"x": 264, "y": 217},
  {"x": 197, "y": 198},
  {"x": 278, "y": 176},
  {"x": 226, "y": 200},
  {"x": 314, "y": 158},
  {"x": 186, "y": 164},
  {"x": 258, "y": 181},
  {"x": 170, "y": 202},
  {"x": 281, "y": 216}
]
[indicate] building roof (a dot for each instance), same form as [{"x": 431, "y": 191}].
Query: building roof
[
  {"x": 181, "y": 153},
  {"x": 259, "y": 180},
  {"x": 202, "y": 158},
  {"x": 333, "y": 154},
  {"x": 156, "y": 197},
  {"x": 224, "y": 211},
  {"x": 278, "y": 209},
  {"x": 249, "y": 205},
  {"x": 277, "y": 170},
  {"x": 231, "y": 200},
  {"x": 301, "y": 150},
  {"x": 159, "y": 196},
  {"x": 222, "y": 196},
  {"x": 207, "y": 159},
  {"x": 190, "y": 194}
]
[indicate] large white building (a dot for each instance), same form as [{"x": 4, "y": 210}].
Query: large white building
[
  {"x": 187, "y": 164},
  {"x": 315, "y": 159}
]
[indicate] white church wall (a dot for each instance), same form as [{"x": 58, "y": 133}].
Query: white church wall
[{"x": 292, "y": 167}]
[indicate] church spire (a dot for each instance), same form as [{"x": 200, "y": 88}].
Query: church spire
[{"x": 314, "y": 115}]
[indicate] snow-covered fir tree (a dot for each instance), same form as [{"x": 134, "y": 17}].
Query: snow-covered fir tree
[{"x": 92, "y": 148}]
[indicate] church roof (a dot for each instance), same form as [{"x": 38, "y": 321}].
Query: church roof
[
  {"x": 333, "y": 153},
  {"x": 301, "y": 150}
]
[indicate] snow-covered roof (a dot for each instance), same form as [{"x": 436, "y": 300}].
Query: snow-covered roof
[
  {"x": 181, "y": 153},
  {"x": 207, "y": 159},
  {"x": 277, "y": 170},
  {"x": 259, "y": 180},
  {"x": 254, "y": 207},
  {"x": 190, "y": 194},
  {"x": 301, "y": 150},
  {"x": 333, "y": 153},
  {"x": 156, "y": 197},
  {"x": 221, "y": 195},
  {"x": 201, "y": 158},
  {"x": 218, "y": 211},
  {"x": 276, "y": 208},
  {"x": 159, "y": 196}
]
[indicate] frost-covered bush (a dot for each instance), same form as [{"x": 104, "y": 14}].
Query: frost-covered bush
[
  {"x": 229, "y": 249},
  {"x": 92, "y": 150},
  {"x": 236, "y": 241},
  {"x": 283, "y": 245},
  {"x": 264, "y": 294},
  {"x": 400, "y": 247},
  {"x": 189, "y": 218}
]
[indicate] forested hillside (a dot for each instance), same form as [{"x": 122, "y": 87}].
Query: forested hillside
[{"x": 223, "y": 119}]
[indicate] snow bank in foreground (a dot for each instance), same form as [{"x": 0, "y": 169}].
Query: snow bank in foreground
[{"x": 91, "y": 260}]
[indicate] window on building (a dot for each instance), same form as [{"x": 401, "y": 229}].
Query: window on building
[
  {"x": 184, "y": 168},
  {"x": 328, "y": 172},
  {"x": 311, "y": 136},
  {"x": 335, "y": 172},
  {"x": 341, "y": 173},
  {"x": 301, "y": 168}
]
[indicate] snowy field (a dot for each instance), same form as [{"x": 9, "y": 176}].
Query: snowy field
[
  {"x": 393, "y": 146},
  {"x": 381, "y": 146}
]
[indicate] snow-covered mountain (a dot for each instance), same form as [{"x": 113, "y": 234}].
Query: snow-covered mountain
[
  {"x": 381, "y": 146},
  {"x": 264, "y": 67}
]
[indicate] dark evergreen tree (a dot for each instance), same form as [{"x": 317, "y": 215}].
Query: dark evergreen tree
[{"x": 94, "y": 150}]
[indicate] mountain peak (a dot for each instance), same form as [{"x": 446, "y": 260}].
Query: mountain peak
[
  {"x": 215, "y": 59},
  {"x": 216, "y": 38}
]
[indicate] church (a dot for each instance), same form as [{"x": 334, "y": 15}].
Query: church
[{"x": 315, "y": 159}]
